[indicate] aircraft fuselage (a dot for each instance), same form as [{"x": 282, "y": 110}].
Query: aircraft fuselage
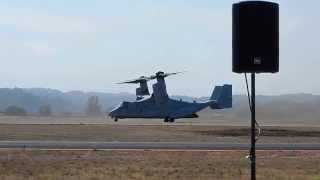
[{"x": 149, "y": 108}]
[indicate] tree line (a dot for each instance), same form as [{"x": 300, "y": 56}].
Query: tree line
[{"x": 92, "y": 108}]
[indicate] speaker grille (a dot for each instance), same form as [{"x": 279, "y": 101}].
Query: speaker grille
[{"x": 255, "y": 41}]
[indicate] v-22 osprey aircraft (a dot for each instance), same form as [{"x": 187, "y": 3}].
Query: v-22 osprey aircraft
[{"x": 160, "y": 106}]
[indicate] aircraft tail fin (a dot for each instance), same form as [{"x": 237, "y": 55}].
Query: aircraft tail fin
[{"x": 223, "y": 97}]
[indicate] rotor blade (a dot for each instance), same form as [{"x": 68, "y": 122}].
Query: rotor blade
[
  {"x": 135, "y": 81},
  {"x": 128, "y": 82},
  {"x": 153, "y": 77},
  {"x": 161, "y": 74},
  {"x": 169, "y": 74}
]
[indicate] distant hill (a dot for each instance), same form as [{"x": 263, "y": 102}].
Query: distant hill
[
  {"x": 281, "y": 109},
  {"x": 290, "y": 107},
  {"x": 60, "y": 102}
]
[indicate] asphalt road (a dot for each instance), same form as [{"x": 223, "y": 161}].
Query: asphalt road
[{"x": 152, "y": 145}]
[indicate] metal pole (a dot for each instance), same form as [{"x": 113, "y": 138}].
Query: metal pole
[{"x": 253, "y": 128}]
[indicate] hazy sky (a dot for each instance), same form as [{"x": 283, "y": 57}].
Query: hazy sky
[{"x": 91, "y": 45}]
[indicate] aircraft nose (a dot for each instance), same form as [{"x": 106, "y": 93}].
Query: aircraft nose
[{"x": 113, "y": 113}]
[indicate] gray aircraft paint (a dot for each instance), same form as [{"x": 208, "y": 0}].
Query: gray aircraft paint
[{"x": 159, "y": 105}]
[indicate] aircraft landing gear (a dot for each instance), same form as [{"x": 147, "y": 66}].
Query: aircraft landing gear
[
  {"x": 168, "y": 119},
  {"x": 115, "y": 119}
]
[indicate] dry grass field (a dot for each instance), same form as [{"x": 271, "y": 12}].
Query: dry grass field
[
  {"x": 156, "y": 165},
  {"x": 156, "y": 133}
]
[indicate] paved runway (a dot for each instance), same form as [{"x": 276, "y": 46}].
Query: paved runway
[{"x": 152, "y": 145}]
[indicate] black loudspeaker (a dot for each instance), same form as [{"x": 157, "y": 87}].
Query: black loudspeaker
[{"x": 255, "y": 37}]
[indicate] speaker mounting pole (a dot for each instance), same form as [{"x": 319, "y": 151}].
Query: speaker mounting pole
[
  {"x": 255, "y": 49},
  {"x": 253, "y": 127}
]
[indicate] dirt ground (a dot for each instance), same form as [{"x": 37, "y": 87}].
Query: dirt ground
[
  {"x": 156, "y": 133},
  {"x": 156, "y": 165},
  {"x": 206, "y": 117}
]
